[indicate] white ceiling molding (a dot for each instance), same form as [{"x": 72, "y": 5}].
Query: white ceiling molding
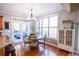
[{"x": 23, "y": 9}]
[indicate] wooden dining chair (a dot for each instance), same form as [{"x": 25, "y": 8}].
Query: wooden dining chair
[{"x": 42, "y": 41}]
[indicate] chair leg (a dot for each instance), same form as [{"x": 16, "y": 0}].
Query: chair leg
[
  {"x": 44, "y": 45},
  {"x": 37, "y": 47}
]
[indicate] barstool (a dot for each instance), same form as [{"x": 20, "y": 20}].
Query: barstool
[{"x": 9, "y": 50}]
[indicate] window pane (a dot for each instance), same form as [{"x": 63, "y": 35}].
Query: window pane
[
  {"x": 53, "y": 32},
  {"x": 53, "y": 21},
  {"x": 56, "y": 21},
  {"x": 52, "y": 26},
  {"x": 24, "y": 27},
  {"x": 41, "y": 25},
  {"x": 45, "y": 22},
  {"x": 16, "y": 25},
  {"x": 45, "y": 31},
  {"x": 40, "y": 31}
]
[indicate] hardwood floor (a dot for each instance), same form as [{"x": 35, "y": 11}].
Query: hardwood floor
[{"x": 24, "y": 50}]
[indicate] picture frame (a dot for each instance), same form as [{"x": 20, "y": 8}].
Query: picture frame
[{"x": 6, "y": 24}]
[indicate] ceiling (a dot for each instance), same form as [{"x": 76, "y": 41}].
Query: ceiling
[{"x": 23, "y": 9}]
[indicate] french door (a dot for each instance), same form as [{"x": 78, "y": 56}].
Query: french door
[{"x": 20, "y": 27}]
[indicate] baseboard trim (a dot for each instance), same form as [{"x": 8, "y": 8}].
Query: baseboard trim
[{"x": 51, "y": 44}]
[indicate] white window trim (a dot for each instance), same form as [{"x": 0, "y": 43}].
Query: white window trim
[{"x": 48, "y": 25}]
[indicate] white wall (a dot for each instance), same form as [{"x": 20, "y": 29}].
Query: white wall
[
  {"x": 74, "y": 16},
  {"x": 78, "y": 35},
  {"x": 63, "y": 15}
]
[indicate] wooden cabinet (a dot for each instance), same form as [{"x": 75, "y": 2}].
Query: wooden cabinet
[
  {"x": 1, "y": 51},
  {"x": 1, "y": 22},
  {"x": 66, "y": 39},
  {"x": 4, "y": 41}
]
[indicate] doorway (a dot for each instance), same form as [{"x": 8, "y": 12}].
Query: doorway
[{"x": 20, "y": 27}]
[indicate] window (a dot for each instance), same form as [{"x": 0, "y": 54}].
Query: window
[
  {"x": 16, "y": 25},
  {"x": 45, "y": 22},
  {"x": 53, "y": 21},
  {"x": 45, "y": 31},
  {"x": 44, "y": 26},
  {"x": 49, "y": 26},
  {"x": 53, "y": 32},
  {"x": 53, "y": 25}
]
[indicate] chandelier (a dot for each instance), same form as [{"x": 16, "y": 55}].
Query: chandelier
[
  {"x": 31, "y": 16},
  {"x": 32, "y": 20}
]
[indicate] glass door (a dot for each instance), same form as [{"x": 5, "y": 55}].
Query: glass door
[
  {"x": 16, "y": 31},
  {"x": 69, "y": 37},
  {"x": 25, "y": 29},
  {"x": 19, "y": 28},
  {"x": 61, "y": 36}
]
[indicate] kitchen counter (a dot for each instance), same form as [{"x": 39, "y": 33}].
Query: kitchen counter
[{"x": 4, "y": 40}]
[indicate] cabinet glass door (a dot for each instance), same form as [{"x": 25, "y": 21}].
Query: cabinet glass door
[
  {"x": 61, "y": 36},
  {"x": 69, "y": 37}
]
